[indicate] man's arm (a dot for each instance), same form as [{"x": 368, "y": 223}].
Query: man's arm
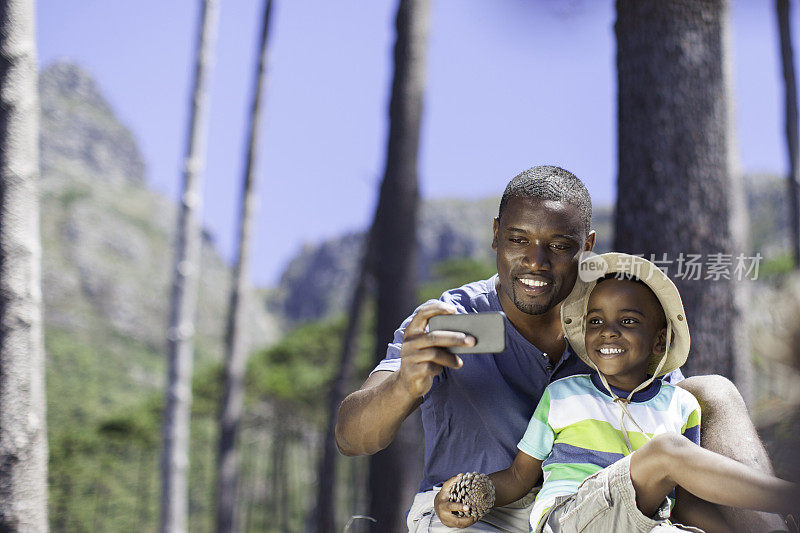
[
  {"x": 728, "y": 430},
  {"x": 370, "y": 417}
]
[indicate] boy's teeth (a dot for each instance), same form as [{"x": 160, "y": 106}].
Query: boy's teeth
[
  {"x": 610, "y": 351},
  {"x": 533, "y": 282}
]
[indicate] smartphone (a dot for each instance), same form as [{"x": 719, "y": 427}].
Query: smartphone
[{"x": 488, "y": 329}]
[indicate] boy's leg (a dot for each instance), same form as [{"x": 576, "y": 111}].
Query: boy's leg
[
  {"x": 728, "y": 430},
  {"x": 606, "y": 501},
  {"x": 670, "y": 459}
]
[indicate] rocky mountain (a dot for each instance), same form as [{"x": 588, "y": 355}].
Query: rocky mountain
[{"x": 107, "y": 253}]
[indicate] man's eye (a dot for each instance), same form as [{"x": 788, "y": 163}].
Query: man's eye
[
  {"x": 516, "y": 240},
  {"x": 559, "y": 246}
]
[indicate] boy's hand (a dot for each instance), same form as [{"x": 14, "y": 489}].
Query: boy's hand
[{"x": 445, "y": 508}]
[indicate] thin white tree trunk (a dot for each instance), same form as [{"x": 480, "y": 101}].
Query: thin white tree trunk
[
  {"x": 235, "y": 341},
  {"x": 23, "y": 435},
  {"x": 183, "y": 300}
]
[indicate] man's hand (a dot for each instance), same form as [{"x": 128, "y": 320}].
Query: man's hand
[
  {"x": 445, "y": 508},
  {"x": 423, "y": 355},
  {"x": 370, "y": 417}
]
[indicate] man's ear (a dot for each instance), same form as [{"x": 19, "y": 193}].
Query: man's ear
[
  {"x": 660, "y": 346},
  {"x": 590, "y": 240},
  {"x": 495, "y": 229}
]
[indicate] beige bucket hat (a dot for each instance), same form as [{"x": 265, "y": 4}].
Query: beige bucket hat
[{"x": 593, "y": 267}]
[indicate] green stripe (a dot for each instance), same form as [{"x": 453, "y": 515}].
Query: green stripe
[
  {"x": 570, "y": 471},
  {"x": 601, "y": 436},
  {"x": 692, "y": 421},
  {"x": 542, "y": 413}
]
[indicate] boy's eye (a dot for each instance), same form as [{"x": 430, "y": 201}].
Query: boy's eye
[
  {"x": 629, "y": 321},
  {"x": 594, "y": 321}
]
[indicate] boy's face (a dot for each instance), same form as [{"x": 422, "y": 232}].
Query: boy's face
[{"x": 625, "y": 325}]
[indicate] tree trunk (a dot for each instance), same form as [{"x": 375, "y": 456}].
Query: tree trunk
[
  {"x": 395, "y": 471},
  {"x": 790, "y": 93},
  {"x": 280, "y": 478},
  {"x": 676, "y": 190},
  {"x": 235, "y": 340},
  {"x": 23, "y": 429},
  {"x": 325, "y": 511},
  {"x": 183, "y": 300}
]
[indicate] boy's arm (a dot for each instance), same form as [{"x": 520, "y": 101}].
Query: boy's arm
[
  {"x": 510, "y": 485},
  {"x": 517, "y": 480}
]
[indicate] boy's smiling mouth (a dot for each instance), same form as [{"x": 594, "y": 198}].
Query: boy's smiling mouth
[{"x": 608, "y": 352}]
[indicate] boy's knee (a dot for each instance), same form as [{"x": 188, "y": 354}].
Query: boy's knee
[
  {"x": 662, "y": 449},
  {"x": 669, "y": 444}
]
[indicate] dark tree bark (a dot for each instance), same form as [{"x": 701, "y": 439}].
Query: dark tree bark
[
  {"x": 676, "y": 189},
  {"x": 394, "y": 472},
  {"x": 324, "y": 513},
  {"x": 183, "y": 299},
  {"x": 790, "y": 94},
  {"x": 280, "y": 476},
  {"x": 235, "y": 345},
  {"x": 23, "y": 422}
]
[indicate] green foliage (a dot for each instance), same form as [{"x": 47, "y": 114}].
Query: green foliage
[
  {"x": 300, "y": 368},
  {"x": 73, "y": 194},
  {"x": 775, "y": 266},
  {"x": 454, "y": 273}
]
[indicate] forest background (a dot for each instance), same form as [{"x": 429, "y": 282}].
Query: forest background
[{"x": 513, "y": 85}]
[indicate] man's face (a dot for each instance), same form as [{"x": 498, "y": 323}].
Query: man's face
[{"x": 537, "y": 243}]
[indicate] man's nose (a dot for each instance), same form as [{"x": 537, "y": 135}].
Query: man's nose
[{"x": 536, "y": 257}]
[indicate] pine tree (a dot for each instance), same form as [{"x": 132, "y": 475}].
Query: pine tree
[
  {"x": 394, "y": 472},
  {"x": 235, "y": 345}
]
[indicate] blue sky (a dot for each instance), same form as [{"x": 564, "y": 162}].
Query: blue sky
[{"x": 510, "y": 84}]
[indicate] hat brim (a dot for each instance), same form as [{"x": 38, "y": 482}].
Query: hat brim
[{"x": 592, "y": 268}]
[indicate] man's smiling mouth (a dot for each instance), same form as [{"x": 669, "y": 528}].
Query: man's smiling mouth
[{"x": 533, "y": 282}]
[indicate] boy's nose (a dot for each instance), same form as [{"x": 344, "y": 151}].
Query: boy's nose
[{"x": 608, "y": 331}]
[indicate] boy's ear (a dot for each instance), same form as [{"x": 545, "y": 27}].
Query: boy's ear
[{"x": 660, "y": 344}]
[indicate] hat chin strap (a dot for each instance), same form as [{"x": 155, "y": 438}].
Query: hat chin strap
[{"x": 624, "y": 402}]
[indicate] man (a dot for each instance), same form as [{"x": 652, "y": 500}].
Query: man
[{"x": 542, "y": 225}]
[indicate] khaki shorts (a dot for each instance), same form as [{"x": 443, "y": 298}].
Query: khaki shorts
[
  {"x": 606, "y": 501},
  {"x": 512, "y": 518}
]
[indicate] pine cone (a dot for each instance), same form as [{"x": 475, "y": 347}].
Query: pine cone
[{"x": 474, "y": 490}]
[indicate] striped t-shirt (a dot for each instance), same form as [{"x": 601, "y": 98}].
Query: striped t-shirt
[{"x": 575, "y": 430}]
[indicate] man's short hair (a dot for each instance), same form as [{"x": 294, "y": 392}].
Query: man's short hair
[{"x": 550, "y": 183}]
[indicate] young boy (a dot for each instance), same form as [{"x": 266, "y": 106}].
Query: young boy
[{"x": 630, "y": 326}]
